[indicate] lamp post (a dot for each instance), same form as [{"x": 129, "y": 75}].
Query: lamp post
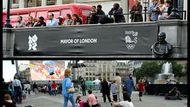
[
  {"x": 145, "y": 9},
  {"x": 175, "y": 14},
  {"x": 8, "y": 25}
]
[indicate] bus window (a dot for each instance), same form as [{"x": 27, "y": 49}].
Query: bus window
[
  {"x": 65, "y": 12},
  {"x": 86, "y": 12},
  {"x": 43, "y": 14},
  {"x": 25, "y": 17},
  {"x": 56, "y": 14},
  {"x": 33, "y": 14},
  {"x": 14, "y": 19}
]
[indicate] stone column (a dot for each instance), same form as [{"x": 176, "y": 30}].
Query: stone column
[
  {"x": 58, "y": 2},
  {"x": 125, "y": 6},
  {"x": 44, "y": 3},
  {"x": 22, "y": 3}
]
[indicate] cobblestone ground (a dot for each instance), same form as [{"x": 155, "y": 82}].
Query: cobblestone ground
[{"x": 44, "y": 100}]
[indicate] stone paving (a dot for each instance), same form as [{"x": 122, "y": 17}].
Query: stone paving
[{"x": 44, "y": 100}]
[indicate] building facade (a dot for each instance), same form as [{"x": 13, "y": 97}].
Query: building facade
[
  {"x": 97, "y": 69},
  {"x": 134, "y": 64},
  {"x": 123, "y": 69}
]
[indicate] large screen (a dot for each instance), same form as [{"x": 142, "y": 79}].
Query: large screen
[{"x": 47, "y": 70}]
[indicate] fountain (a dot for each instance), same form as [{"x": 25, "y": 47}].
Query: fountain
[{"x": 165, "y": 75}]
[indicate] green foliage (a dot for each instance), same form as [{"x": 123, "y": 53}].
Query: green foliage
[
  {"x": 148, "y": 69},
  {"x": 177, "y": 69}
]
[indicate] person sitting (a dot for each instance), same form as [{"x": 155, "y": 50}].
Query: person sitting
[
  {"x": 8, "y": 101},
  {"x": 30, "y": 22},
  {"x": 173, "y": 94},
  {"x": 40, "y": 22},
  {"x": 60, "y": 18},
  {"x": 92, "y": 99},
  {"x": 76, "y": 20},
  {"x": 68, "y": 20},
  {"x": 80, "y": 102},
  {"x": 51, "y": 20},
  {"x": 126, "y": 103},
  {"x": 20, "y": 23}
]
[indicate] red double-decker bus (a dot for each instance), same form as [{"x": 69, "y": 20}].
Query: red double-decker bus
[{"x": 82, "y": 10}]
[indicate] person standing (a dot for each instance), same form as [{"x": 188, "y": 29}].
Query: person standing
[
  {"x": 67, "y": 84},
  {"x": 117, "y": 11},
  {"x": 136, "y": 12},
  {"x": 119, "y": 87},
  {"x": 51, "y": 20},
  {"x": 20, "y": 23},
  {"x": 93, "y": 16},
  {"x": 83, "y": 86},
  {"x": 141, "y": 89},
  {"x": 106, "y": 90},
  {"x": 54, "y": 88},
  {"x": 17, "y": 89},
  {"x": 100, "y": 13},
  {"x": 153, "y": 11},
  {"x": 49, "y": 88},
  {"x": 35, "y": 88},
  {"x": 129, "y": 85},
  {"x": 114, "y": 91}
]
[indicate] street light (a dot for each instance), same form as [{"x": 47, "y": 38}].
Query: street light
[
  {"x": 8, "y": 25},
  {"x": 145, "y": 8},
  {"x": 175, "y": 14}
]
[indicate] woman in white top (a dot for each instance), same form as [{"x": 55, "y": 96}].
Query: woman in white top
[
  {"x": 126, "y": 103},
  {"x": 68, "y": 20}
]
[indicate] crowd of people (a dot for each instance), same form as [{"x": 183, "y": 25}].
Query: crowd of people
[
  {"x": 121, "y": 90},
  {"x": 159, "y": 10}
]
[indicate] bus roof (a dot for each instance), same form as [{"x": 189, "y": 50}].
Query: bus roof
[{"x": 47, "y": 8}]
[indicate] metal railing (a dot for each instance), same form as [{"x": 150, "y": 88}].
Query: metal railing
[{"x": 145, "y": 14}]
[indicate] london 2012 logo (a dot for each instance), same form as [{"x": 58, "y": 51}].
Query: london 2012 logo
[
  {"x": 32, "y": 42},
  {"x": 131, "y": 39}
]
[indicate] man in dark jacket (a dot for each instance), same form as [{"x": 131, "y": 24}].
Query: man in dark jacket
[
  {"x": 117, "y": 12},
  {"x": 100, "y": 13},
  {"x": 105, "y": 90}
]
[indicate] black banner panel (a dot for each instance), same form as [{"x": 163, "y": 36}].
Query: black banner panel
[{"x": 86, "y": 40}]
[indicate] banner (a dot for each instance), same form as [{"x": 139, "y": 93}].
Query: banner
[{"x": 95, "y": 40}]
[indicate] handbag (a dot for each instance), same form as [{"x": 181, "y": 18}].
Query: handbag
[{"x": 71, "y": 90}]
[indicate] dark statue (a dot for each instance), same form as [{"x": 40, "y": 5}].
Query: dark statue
[{"x": 161, "y": 49}]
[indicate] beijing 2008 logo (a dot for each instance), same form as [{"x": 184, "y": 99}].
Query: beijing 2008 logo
[{"x": 131, "y": 39}]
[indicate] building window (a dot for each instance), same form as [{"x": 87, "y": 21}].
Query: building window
[
  {"x": 86, "y": 73},
  {"x": 51, "y": 2},
  {"x": 15, "y": 1}
]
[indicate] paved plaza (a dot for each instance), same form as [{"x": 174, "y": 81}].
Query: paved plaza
[{"x": 44, "y": 100}]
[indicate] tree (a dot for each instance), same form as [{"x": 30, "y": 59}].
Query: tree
[
  {"x": 148, "y": 69},
  {"x": 177, "y": 69}
]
